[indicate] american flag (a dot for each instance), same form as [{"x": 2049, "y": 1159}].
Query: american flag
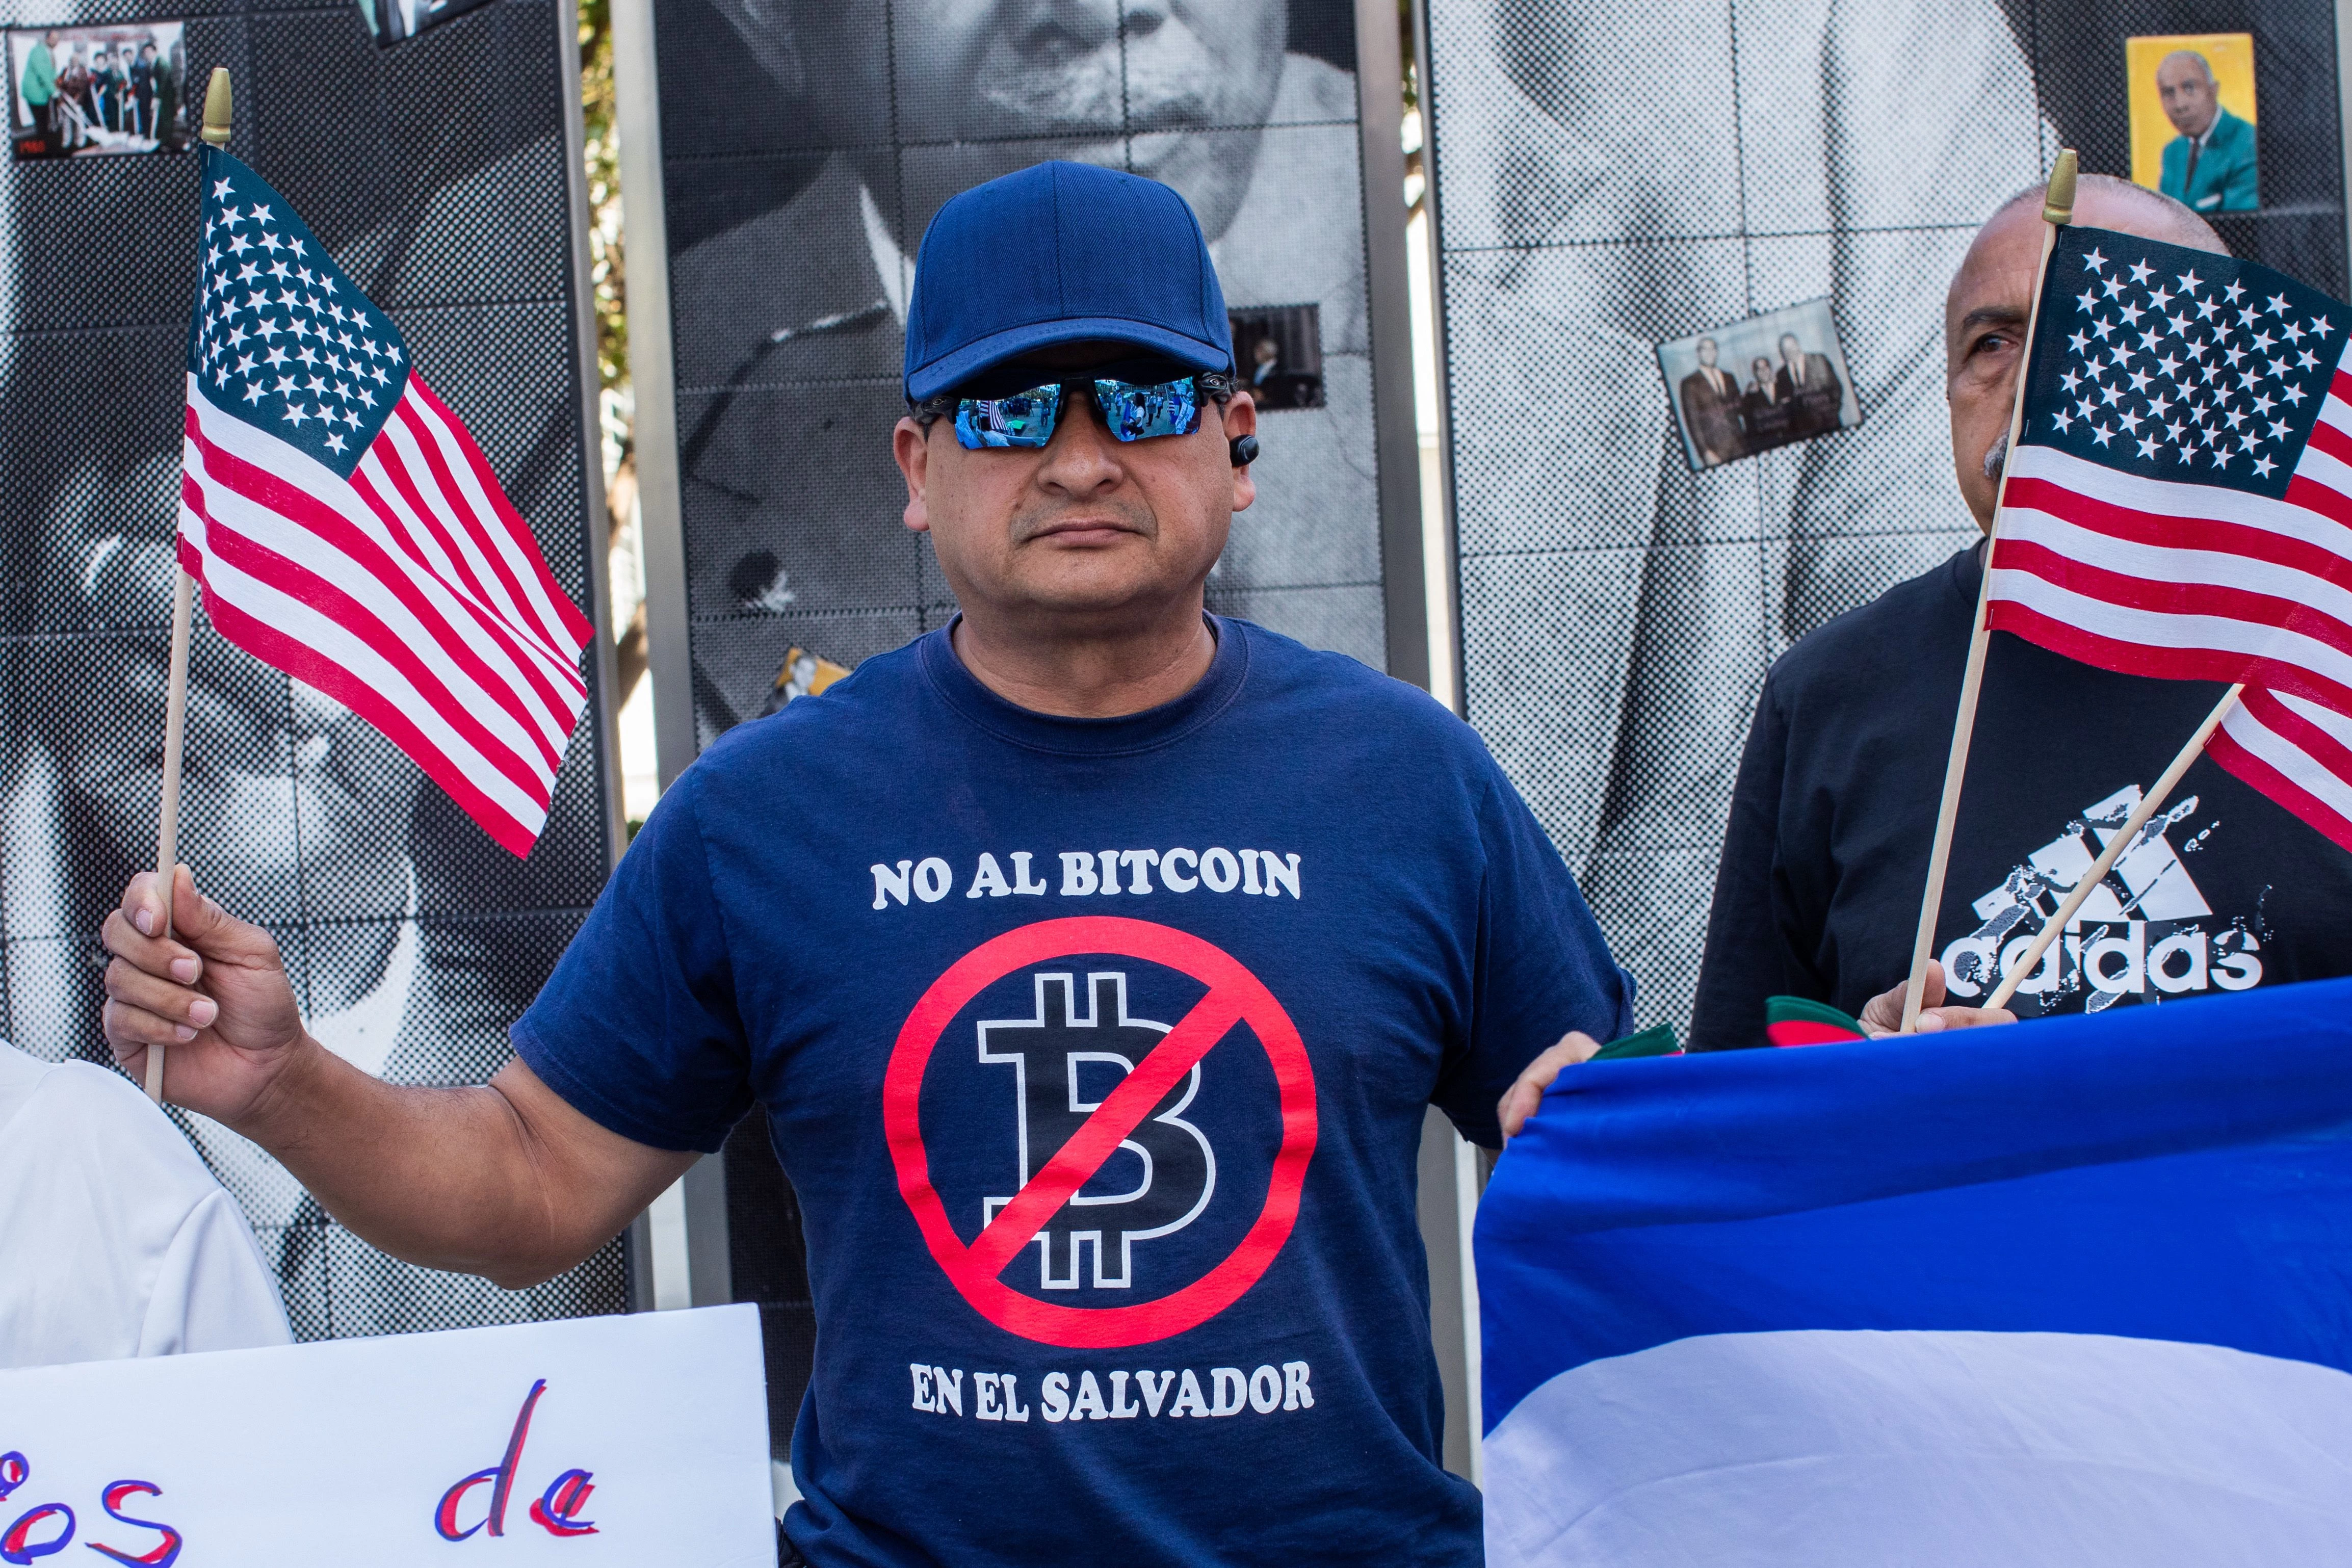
[
  {"x": 2180, "y": 503},
  {"x": 2294, "y": 751},
  {"x": 346, "y": 528}
]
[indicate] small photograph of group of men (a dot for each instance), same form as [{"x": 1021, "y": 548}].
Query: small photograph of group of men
[
  {"x": 1279, "y": 355},
  {"x": 2192, "y": 119},
  {"x": 1755, "y": 385},
  {"x": 74, "y": 91},
  {"x": 390, "y": 21}
]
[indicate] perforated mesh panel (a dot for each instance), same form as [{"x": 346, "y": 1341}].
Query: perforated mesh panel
[
  {"x": 1612, "y": 176},
  {"x": 805, "y": 147},
  {"x": 2076, "y": 47},
  {"x": 435, "y": 172},
  {"x": 784, "y": 220}
]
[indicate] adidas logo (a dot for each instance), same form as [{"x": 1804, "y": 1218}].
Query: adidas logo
[{"x": 2142, "y": 935}]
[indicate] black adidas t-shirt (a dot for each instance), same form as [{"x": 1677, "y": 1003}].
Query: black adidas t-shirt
[{"x": 1826, "y": 853}]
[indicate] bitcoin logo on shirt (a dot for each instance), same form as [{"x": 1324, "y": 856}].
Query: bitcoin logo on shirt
[{"x": 1160, "y": 1178}]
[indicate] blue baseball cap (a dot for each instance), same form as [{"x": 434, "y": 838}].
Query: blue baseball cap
[{"x": 1061, "y": 253}]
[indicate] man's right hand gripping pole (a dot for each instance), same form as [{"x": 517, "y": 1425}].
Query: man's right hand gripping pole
[{"x": 215, "y": 991}]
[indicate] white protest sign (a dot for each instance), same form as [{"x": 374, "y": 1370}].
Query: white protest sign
[{"x": 595, "y": 1441}]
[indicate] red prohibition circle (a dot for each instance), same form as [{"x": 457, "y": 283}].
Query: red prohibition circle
[{"x": 1234, "y": 996}]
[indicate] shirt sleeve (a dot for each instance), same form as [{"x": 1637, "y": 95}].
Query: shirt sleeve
[
  {"x": 1745, "y": 960},
  {"x": 213, "y": 1292},
  {"x": 637, "y": 1028},
  {"x": 1541, "y": 967}
]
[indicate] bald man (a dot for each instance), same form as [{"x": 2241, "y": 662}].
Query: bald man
[
  {"x": 1826, "y": 853},
  {"x": 2209, "y": 166}
]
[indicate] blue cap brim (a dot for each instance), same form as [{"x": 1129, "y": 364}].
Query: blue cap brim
[{"x": 973, "y": 358}]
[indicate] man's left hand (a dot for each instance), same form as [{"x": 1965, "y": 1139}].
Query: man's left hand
[
  {"x": 1884, "y": 1013},
  {"x": 1519, "y": 1101}
]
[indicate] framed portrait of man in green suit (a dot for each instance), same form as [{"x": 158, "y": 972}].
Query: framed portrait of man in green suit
[{"x": 2193, "y": 117}]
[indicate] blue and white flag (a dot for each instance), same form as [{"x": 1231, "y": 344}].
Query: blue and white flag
[{"x": 2076, "y": 1292}]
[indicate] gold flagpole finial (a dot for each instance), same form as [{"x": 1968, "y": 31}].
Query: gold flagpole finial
[
  {"x": 217, "y": 111},
  {"x": 2057, "y": 202}
]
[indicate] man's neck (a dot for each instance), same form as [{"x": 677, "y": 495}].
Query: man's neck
[{"x": 1088, "y": 677}]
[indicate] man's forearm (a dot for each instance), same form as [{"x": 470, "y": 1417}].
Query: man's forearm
[
  {"x": 508, "y": 1181},
  {"x": 449, "y": 1178}
]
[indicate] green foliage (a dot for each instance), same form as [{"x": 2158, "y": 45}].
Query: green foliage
[
  {"x": 607, "y": 265},
  {"x": 1409, "y": 53},
  {"x": 1417, "y": 173}
]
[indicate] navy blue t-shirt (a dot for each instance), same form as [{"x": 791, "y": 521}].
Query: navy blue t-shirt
[{"x": 1097, "y": 1052}]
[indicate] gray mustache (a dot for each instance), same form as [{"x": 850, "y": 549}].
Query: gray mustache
[{"x": 1995, "y": 457}]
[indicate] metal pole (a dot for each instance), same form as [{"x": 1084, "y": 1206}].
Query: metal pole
[
  {"x": 1450, "y": 1171},
  {"x": 1379, "y": 109},
  {"x": 600, "y": 521},
  {"x": 636, "y": 108},
  {"x": 636, "y": 113},
  {"x": 1449, "y": 620}
]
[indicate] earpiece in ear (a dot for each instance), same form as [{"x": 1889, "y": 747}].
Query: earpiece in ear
[{"x": 1244, "y": 449}]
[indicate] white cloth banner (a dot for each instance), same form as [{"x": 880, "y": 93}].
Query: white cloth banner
[{"x": 613, "y": 1440}]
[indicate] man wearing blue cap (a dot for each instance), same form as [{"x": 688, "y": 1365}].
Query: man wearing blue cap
[{"x": 1092, "y": 958}]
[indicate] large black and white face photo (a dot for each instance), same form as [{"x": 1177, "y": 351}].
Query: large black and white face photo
[
  {"x": 806, "y": 146},
  {"x": 1617, "y": 179},
  {"x": 411, "y": 939}
]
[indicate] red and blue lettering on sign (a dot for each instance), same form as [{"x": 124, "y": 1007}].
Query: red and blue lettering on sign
[
  {"x": 556, "y": 1510},
  {"x": 33, "y": 1536},
  {"x": 47, "y": 1528},
  {"x": 164, "y": 1552},
  {"x": 498, "y": 1478}
]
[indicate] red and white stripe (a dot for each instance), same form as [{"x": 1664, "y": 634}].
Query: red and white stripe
[
  {"x": 412, "y": 592},
  {"x": 2293, "y": 750},
  {"x": 2187, "y": 581}
]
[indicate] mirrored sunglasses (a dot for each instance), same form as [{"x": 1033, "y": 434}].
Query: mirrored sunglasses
[{"x": 1131, "y": 411}]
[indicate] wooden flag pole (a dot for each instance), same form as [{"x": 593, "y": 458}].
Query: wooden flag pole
[
  {"x": 176, "y": 701},
  {"x": 167, "y": 834},
  {"x": 2149, "y": 805},
  {"x": 2057, "y": 210}
]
